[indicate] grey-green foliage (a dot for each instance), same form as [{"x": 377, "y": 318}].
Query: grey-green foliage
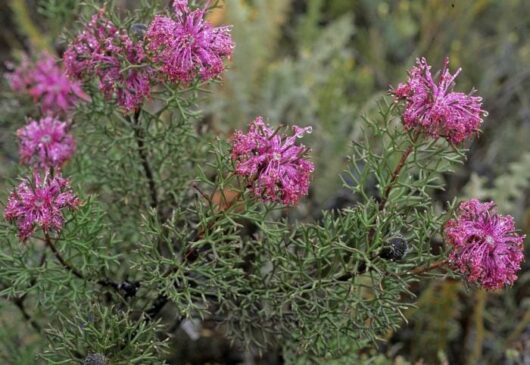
[
  {"x": 86, "y": 241},
  {"x": 164, "y": 210},
  {"x": 315, "y": 288},
  {"x": 73, "y": 338}
]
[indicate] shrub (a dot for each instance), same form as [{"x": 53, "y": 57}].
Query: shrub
[{"x": 157, "y": 224}]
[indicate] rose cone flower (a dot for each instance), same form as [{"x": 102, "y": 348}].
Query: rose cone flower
[
  {"x": 39, "y": 202},
  {"x": 485, "y": 246},
  {"x": 273, "y": 165},
  {"x": 433, "y": 108},
  {"x": 102, "y": 50},
  {"x": 46, "y": 143},
  {"x": 186, "y": 46},
  {"x": 47, "y": 83}
]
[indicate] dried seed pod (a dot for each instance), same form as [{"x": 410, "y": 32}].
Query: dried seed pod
[
  {"x": 394, "y": 249},
  {"x": 138, "y": 30},
  {"x": 96, "y": 359},
  {"x": 129, "y": 288}
]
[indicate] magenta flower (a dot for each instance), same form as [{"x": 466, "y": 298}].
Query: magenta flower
[
  {"x": 46, "y": 82},
  {"x": 46, "y": 143},
  {"x": 274, "y": 167},
  {"x": 187, "y": 46},
  {"x": 433, "y": 108},
  {"x": 40, "y": 203},
  {"x": 486, "y": 248},
  {"x": 108, "y": 53},
  {"x": 20, "y": 78}
]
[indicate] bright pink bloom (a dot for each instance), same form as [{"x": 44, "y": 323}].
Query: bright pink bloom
[
  {"x": 486, "y": 248},
  {"x": 187, "y": 46},
  {"x": 40, "y": 202},
  {"x": 46, "y": 143},
  {"x": 273, "y": 165},
  {"x": 106, "y": 52},
  {"x": 432, "y": 107},
  {"x": 47, "y": 83},
  {"x": 20, "y": 78}
]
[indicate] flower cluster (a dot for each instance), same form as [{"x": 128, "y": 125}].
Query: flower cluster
[
  {"x": 432, "y": 107},
  {"x": 486, "y": 249},
  {"x": 46, "y": 143},
  {"x": 40, "y": 203},
  {"x": 182, "y": 48},
  {"x": 104, "y": 51},
  {"x": 46, "y": 82},
  {"x": 186, "y": 46},
  {"x": 274, "y": 166}
]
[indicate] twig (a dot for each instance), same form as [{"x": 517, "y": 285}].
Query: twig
[
  {"x": 103, "y": 282},
  {"x": 139, "y": 136},
  {"x": 360, "y": 270},
  {"x": 424, "y": 269},
  {"x": 60, "y": 258},
  {"x": 157, "y": 306},
  {"x": 202, "y": 193},
  {"x": 395, "y": 175},
  {"x": 19, "y": 303},
  {"x": 161, "y": 300},
  {"x": 33, "y": 280}
]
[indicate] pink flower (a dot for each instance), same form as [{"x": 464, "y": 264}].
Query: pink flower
[
  {"x": 273, "y": 165},
  {"x": 108, "y": 53},
  {"x": 20, "y": 78},
  {"x": 46, "y": 143},
  {"x": 187, "y": 46},
  {"x": 433, "y": 108},
  {"x": 47, "y": 83},
  {"x": 40, "y": 203},
  {"x": 486, "y": 248}
]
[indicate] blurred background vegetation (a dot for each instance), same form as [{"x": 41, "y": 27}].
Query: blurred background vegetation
[{"x": 325, "y": 63}]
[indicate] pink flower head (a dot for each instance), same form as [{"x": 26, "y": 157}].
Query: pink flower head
[
  {"x": 39, "y": 203},
  {"x": 187, "y": 46},
  {"x": 46, "y": 143},
  {"x": 273, "y": 165},
  {"x": 106, "y": 52},
  {"x": 20, "y": 78},
  {"x": 47, "y": 83},
  {"x": 432, "y": 107},
  {"x": 486, "y": 248}
]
